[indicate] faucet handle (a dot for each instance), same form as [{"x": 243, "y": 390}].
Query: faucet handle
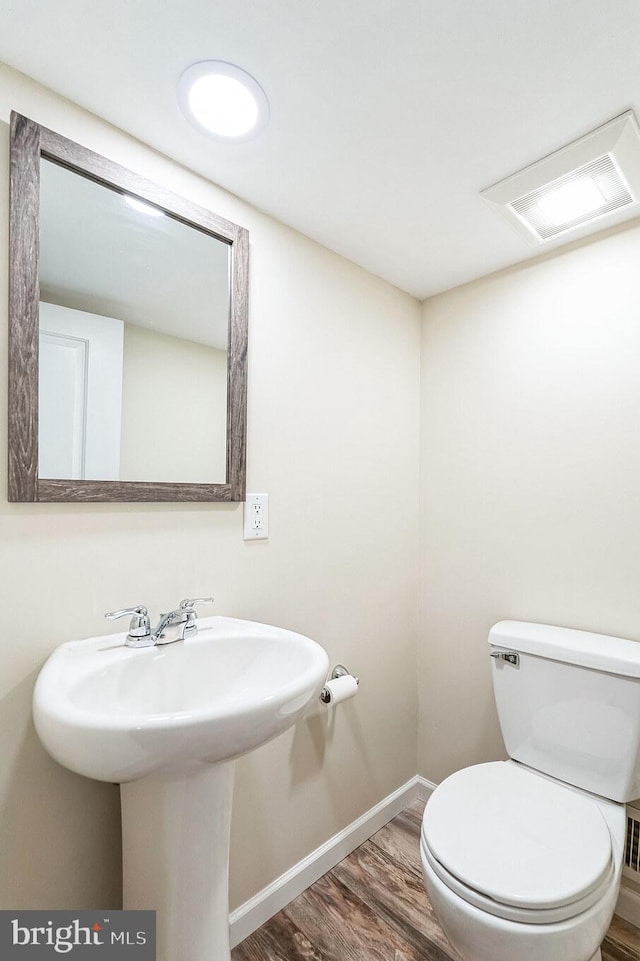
[
  {"x": 140, "y": 626},
  {"x": 188, "y": 605},
  {"x": 139, "y": 612},
  {"x": 187, "y": 609}
]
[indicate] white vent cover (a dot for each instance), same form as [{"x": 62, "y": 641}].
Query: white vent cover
[
  {"x": 591, "y": 184},
  {"x": 585, "y": 193},
  {"x": 631, "y": 867}
]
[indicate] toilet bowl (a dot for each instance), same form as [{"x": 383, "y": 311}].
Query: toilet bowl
[
  {"x": 521, "y": 864},
  {"x": 519, "y": 867}
]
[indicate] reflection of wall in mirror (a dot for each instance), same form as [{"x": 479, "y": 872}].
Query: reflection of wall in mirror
[{"x": 174, "y": 399}]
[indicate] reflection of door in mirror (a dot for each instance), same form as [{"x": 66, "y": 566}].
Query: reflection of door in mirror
[
  {"x": 80, "y": 394},
  {"x": 106, "y": 258}
]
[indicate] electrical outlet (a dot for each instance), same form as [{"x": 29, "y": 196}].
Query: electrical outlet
[{"x": 256, "y": 517}]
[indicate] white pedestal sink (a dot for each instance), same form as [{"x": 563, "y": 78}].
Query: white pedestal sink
[{"x": 166, "y": 723}]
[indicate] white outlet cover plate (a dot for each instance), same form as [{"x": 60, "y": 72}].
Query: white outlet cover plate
[{"x": 256, "y": 517}]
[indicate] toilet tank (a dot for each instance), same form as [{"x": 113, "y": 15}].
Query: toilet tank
[{"x": 569, "y": 704}]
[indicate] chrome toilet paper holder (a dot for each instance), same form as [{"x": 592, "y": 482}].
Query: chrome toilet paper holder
[{"x": 339, "y": 671}]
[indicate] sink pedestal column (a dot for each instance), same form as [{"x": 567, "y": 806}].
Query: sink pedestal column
[{"x": 175, "y": 852}]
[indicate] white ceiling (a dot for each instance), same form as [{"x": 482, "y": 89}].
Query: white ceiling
[{"x": 387, "y": 116}]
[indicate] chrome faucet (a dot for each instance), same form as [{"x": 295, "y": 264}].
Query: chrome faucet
[
  {"x": 140, "y": 627},
  {"x": 176, "y": 625},
  {"x": 179, "y": 624}
]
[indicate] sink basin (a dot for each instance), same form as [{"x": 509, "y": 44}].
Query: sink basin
[
  {"x": 115, "y": 713},
  {"x": 166, "y": 722}
]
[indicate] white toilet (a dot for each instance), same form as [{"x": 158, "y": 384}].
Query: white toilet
[{"x": 522, "y": 858}]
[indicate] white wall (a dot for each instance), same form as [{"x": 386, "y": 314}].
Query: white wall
[
  {"x": 530, "y": 467},
  {"x": 174, "y": 404},
  {"x": 333, "y": 418}
]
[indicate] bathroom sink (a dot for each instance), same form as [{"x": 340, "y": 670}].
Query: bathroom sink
[
  {"x": 166, "y": 722},
  {"x": 117, "y": 714}
]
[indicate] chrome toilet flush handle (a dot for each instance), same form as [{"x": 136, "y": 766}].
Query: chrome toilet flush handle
[{"x": 511, "y": 657}]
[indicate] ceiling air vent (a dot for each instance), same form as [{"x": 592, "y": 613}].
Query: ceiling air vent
[{"x": 591, "y": 184}]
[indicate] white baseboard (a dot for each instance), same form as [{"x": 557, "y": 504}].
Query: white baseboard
[
  {"x": 258, "y": 909},
  {"x": 425, "y": 788},
  {"x": 628, "y": 905}
]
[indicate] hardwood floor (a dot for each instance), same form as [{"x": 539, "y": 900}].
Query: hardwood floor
[{"x": 373, "y": 907}]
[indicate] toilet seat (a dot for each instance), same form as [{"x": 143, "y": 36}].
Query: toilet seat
[
  {"x": 509, "y": 912},
  {"x": 517, "y": 844}
]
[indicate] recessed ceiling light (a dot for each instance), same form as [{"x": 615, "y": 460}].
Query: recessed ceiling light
[
  {"x": 223, "y": 100},
  {"x": 596, "y": 178}
]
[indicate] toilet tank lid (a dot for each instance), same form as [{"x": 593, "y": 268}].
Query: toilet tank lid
[{"x": 614, "y": 655}]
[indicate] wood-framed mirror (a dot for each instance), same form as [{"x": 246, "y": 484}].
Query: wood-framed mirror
[{"x": 127, "y": 333}]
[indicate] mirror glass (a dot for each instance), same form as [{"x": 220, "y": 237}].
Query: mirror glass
[
  {"x": 127, "y": 333},
  {"x": 133, "y": 341}
]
